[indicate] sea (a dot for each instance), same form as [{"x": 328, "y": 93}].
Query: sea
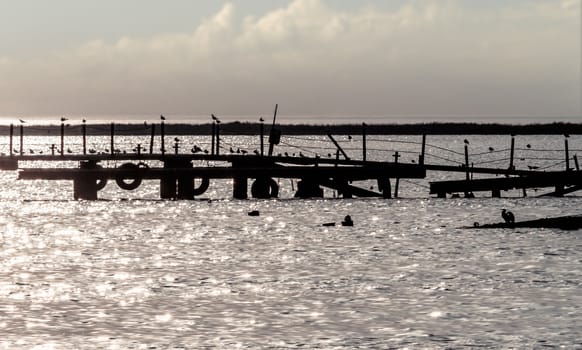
[{"x": 132, "y": 271}]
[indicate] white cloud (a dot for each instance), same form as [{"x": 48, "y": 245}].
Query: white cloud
[{"x": 426, "y": 58}]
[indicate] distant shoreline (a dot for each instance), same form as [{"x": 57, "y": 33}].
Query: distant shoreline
[{"x": 238, "y": 128}]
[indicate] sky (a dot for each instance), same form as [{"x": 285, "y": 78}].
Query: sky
[{"x": 416, "y": 58}]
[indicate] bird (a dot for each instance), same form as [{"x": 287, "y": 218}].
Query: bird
[
  {"x": 491, "y": 149},
  {"x": 22, "y": 121},
  {"x": 84, "y": 121},
  {"x": 162, "y": 117},
  {"x": 176, "y": 139},
  {"x": 231, "y": 150},
  {"x": 256, "y": 152},
  {"x": 214, "y": 117},
  {"x": 466, "y": 141},
  {"x": 349, "y": 137},
  {"x": 63, "y": 119},
  {"x": 261, "y": 119},
  {"x": 508, "y": 216},
  {"x": 528, "y": 145},
  {"x": 347, "y": 221},
  {"x": 286, "y": 154},
  {"x": 566, "y": 135}
]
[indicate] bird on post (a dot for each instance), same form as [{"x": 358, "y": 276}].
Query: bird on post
[
  {"x": 22, "y": 121},
  {"x": 261, "y": 119},
  {"x": 508, "y": 216},
  {"x": 466, "y": 141},
  {"x": 162, "y": 117},
  {"x": 63, "y": 119}
]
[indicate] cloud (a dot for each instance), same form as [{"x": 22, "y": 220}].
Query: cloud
[{"x": 425, "y": 58}]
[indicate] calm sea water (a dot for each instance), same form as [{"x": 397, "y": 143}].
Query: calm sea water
[{"x": 131, "y": 271}]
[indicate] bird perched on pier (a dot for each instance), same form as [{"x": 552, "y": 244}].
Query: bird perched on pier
[
  {"x": 162, "y": 117},
  {"x": 63, "y": 119},
  {"x": 256, "y": 152},
  {"x": 261, "y": 119},
  {"x": 22, "y": 121},
  {"x": 566, "y": 135},
  {"x": 176, "y": 139},
  {"x": 491, "y": 149},
  {"x": 508, "y": 216},
  {"x": 528, "y": 145},
  {"x": 466, "y": 141}
]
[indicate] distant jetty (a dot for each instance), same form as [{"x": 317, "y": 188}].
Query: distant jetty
[
  {"x": 572, "y": 222},
  {"x": 74, "y": 128}
]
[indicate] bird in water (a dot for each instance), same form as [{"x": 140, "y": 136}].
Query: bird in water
[{"x": 508, "y": 216}]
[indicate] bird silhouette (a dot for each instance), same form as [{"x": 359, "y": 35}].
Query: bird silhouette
[
  {"x": 349, "y": 137},
  {"x": 256, "y": 152},
  {"x": 533, "y": 167},
  {"x": 466, "y": 141},
  {"x": 231, "y": 150},
  {"x": 162, "y": 117},
  {"x": 508, "y": 216},
  {"x": 491, "y": 149},
  {"x": 176, "y": 139},
  {"x": 84, "y": 121},
  {"x": 63, "y": 119},
  {"x": 566, "y": 135},
  {"x": 214, "y": 117},
  {"x": 261, "y": 119},
  {"x": 22, "y": 121},
  {"x": 528, "y": 145}
]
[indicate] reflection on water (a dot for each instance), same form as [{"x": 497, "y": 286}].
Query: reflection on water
[{"x": 193, "y": 274}]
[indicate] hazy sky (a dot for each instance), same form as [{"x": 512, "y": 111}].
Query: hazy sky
[{"x": 313, "y": 57}]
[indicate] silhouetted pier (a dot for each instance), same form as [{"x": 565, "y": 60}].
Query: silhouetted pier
[{"x": 184, "y": 175}]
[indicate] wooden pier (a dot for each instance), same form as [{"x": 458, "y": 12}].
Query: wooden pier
[{"x": 187, "y": 176}]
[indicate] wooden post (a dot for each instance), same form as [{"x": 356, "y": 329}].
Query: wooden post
[
  {"x": 11, "y": 139},
  {"x": 53, "y": 148},
  {"x": 467, "y": 162},
  {"x": 112, "y": 141},
  {"x": 397, "y": 181},
  {"x": 62, "y": 138},
  {"x": 576, "y": 163},
  {"x": 217, "y": 147},
  {"x": 21, "y": 139},
  {"x": 176, "y": 147},
  {"x": 163, "y": 136},
  {"x": 567, "y": 154},
  {"x": 84, "y": 131},
  {"x": 213, "y": 137},
  {"x": 512, "y": 153},
  {"x": 239, "y": 187},
  {"x": 138, "y": 149},
  {"x": 421, "y": 160},
  {"x": 338, "y": 146},
  {"x": 152, "y": 138},
  {"x": 262, "y": 132},
  {"x": 364, "y": 141}
]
